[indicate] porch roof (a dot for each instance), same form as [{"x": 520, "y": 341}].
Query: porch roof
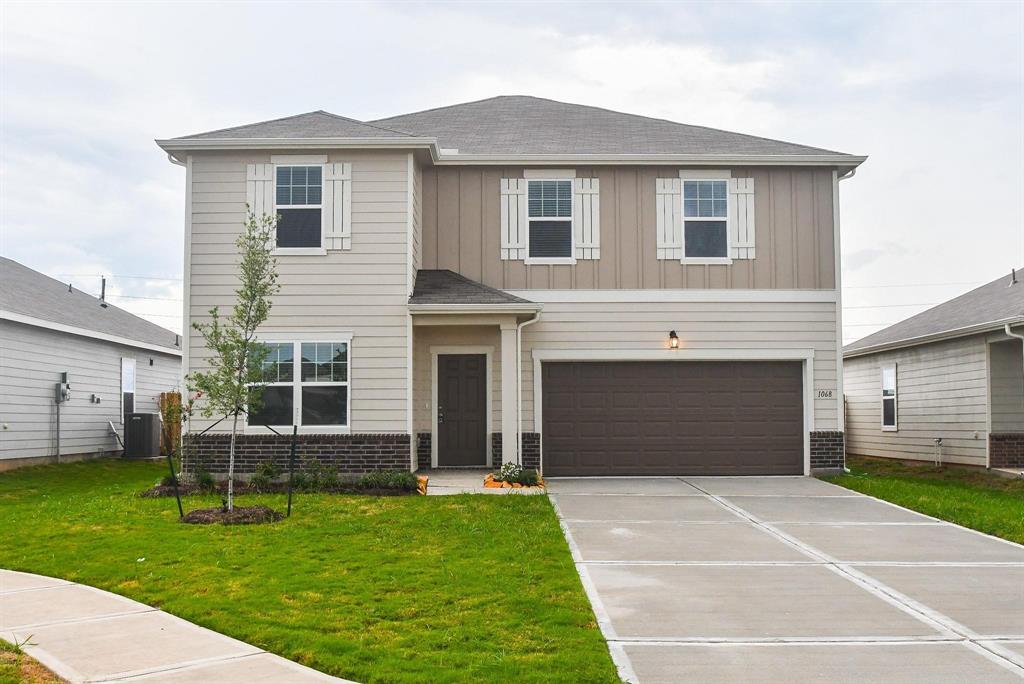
[{"x": 450, "y": 290}]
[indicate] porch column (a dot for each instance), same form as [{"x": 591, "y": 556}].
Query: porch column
[{"x": 509, "y": 405}]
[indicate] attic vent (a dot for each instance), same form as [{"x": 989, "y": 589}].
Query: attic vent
[{"x": 1013, "y": 276}]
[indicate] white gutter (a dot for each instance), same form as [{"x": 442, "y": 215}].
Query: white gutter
[
  {"x": 519, "y": 384},
  {"x": 84, "y": 332},
  {"x": 935, "y": 337}
]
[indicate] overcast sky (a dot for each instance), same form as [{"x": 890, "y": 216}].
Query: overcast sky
[{"x": 933, "y": 93}]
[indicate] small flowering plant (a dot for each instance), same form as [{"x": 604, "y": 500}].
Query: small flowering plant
[{"x": 510, "y": 472}]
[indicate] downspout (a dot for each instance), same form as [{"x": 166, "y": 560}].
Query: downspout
[
  {"x": 840, "y": 390},
  {"x": 519, "y": 383}
]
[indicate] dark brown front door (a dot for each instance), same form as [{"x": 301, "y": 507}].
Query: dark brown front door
[
  {"x": 673, "y": 418},
  {"x": 461, "y": 410}
]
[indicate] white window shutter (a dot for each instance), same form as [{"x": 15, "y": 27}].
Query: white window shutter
[
  {"x": 337, "y": 205},
  {"x": 259, "y": 192},
  {"x": 741, "y": 218},
  {"x": 587, "y": 218},
  {"x": 668, "y": 209},
  {"x": 513, "y": 218}
]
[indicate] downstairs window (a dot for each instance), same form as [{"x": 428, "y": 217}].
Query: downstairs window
[{"x": 307, "y": 385}]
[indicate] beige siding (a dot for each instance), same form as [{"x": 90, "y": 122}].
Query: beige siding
[
  {"x": 623, "y": 327},
  {"x": 417, "y": 217},
  {"x": 794, "y": 232},
  {"x": 362, "y": 291},
  {"x": 941, "y": 392},
  {"x": 30, "y": 367},
  {"x": 1006, "y": 381}
]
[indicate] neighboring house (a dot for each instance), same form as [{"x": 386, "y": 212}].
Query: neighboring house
[
  {"x": 626, "y": 295},
  {"x": 115, "y": 362},
  {"x": 953, "y": 373}
]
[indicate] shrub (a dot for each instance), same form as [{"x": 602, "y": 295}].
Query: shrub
[
  {"x": 167, "y": 481},
  {"x": 260, "y": 482},
  {"x": 509, "y": 472},
  {"x": 268, "y": 470},
  {"x": 204, "y": 480},
  {"x": 388, "y": 479},
  {"x": 528, "y": 478},
  {"x": 300, "y": 481}
]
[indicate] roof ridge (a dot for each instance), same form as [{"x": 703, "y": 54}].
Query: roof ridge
[
  {"x": 363, "y": 123},
  {"x": 457, "y": 104}
]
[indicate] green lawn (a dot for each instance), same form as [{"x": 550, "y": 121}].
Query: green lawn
[
  {"x": 392, "y": 589},
  {"x": 967, "y": 496},
  {"x": 18, "y": 668}
]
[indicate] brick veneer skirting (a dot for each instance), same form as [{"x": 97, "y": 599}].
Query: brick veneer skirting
[
  {"x": 424, "y": 453},
  {"x": 345, "y": 453},
  {"x": 827, "y": 450},
  {"x": 1006, "y": 449},
  {"x": 530, "y": 450}
]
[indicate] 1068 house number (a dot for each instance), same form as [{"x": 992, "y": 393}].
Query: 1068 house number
[{"x": 824, "y": 394}]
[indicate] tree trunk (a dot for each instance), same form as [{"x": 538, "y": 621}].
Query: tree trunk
[{"x": 231, "y": 465}]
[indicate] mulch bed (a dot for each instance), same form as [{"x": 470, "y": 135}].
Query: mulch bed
[
  {"x": 273, "y": 488},
  {"x": 241, "y": 515},
  {"x": 491, "y": 483}
]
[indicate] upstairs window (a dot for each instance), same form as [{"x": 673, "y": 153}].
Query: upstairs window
[
  {"x": 549, "y": 215},
  {"x": 705, "y": 219},
  {"x": 889, "y": 398},
  {"x": 299, "y": 204}
]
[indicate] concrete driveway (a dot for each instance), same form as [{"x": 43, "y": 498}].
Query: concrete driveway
[{"x": 789, "y": 579}]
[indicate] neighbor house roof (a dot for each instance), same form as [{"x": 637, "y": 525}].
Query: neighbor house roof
[
  {"x": 985, "y": 308},
  {"x": 29, "y": 297},
  {"x": 516, "y": 127},
  {"x": 443, "y": 287}
]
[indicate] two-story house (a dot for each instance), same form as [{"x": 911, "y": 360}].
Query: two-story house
[{"x": 518, "y": 279}]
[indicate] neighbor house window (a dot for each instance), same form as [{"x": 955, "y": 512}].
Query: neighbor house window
[
  {"x": 307, "y": 385},
  {"x": 549, "y": 214},
  {"x": 889, "y": 397},
  {"x": 299, "y": 204},
  {"x": 127, "y": 388},
  {"x": 705, "y": 219}
]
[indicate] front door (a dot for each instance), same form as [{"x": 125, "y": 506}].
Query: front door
[{"x": 461, "y": 410}]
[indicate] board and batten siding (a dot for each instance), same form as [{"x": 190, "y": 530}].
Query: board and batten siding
[
  {"x": 1006, "y": 382},
  {"x": 621, "y": 327},
  {"x": 942, "y": 391},
  {"x": 30, "y": 366},
  {"x": 794, "y": 233},
  {"x": 362, "y": 291}
]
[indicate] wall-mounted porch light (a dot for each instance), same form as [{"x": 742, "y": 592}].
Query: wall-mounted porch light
[{"x": 673, "y": 340}]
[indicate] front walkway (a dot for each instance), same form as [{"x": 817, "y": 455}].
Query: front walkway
[
  {"x": 87, "y": 635},
  {"x": 789, "y": 579}
]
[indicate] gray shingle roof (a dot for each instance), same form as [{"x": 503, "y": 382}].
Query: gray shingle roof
[
  {"x": 30, "y": 293},
  {"x": 319, "y": 124},
  {"x": 519, "y": 124},
  {"x": 448, "y": 287},
  {"x": 988, "y": 304}
]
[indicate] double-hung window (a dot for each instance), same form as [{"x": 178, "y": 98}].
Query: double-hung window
[
  {"x": 889, "y": 398},
  {"x": 306, "y": 385},
  {"x": 549, "y": 218},
  {"x": 299, "y": 205},
  {"x": 706, "y": 220},
  {"x": 127, "y": 388}
]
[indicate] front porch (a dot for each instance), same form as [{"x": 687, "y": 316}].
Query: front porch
[{"x": 467, "y": 374}]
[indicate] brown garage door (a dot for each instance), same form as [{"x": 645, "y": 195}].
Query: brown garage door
[{"x": 673, "y": 418}]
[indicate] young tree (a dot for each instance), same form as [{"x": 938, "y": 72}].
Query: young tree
[{"x": 233, "y": 384}]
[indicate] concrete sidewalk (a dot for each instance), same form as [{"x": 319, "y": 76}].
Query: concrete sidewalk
[
  {"x": 777, "y": 579},
  {"x": 84, "y": 634}
]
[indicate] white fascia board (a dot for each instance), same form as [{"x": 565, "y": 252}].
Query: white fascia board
[
  {"x": 474, "y": 308},
  {"x": 666, "y": 295},
  {"x": 689, "y": 354},
  {"x": 717, "y": 160},
  {"x": 174, "y": 146},
  {"x": 83, "y": 332},
  {"x": 967, "y": 331}
]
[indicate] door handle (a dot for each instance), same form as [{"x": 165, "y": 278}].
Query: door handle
[{"x": 440, "y": 415}]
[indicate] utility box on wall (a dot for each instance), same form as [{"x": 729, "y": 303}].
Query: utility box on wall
[{"x": 142, "y": 435}]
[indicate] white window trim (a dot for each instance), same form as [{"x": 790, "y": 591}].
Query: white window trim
[
  {"x": 571, "y": 219},
  {"x": 297, "y": 161},
  {"x": 895, "y": 398},
  {"x": 128, "y": 361},
  {"x": 297, "y": 339},
  {"x": 691, "y": 178}
]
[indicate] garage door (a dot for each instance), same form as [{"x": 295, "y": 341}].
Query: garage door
[{"x": 673, "y": 418}]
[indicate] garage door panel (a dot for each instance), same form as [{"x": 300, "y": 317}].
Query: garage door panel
[{"x": 673, "y": 418}]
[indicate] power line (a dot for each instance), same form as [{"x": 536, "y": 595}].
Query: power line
[{"x": 116, "y": 275}]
